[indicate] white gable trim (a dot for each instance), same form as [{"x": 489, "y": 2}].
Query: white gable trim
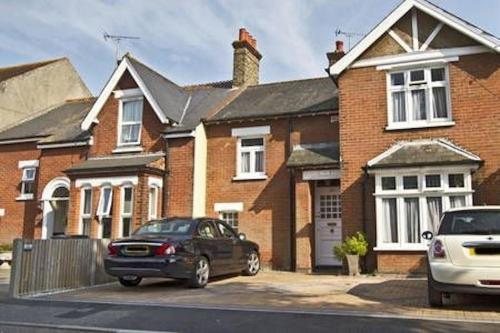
[
  {"x": 397, "y": 14},
  {"x": 108, "y": 89},
  {"x": 431, "y": 37},
  {"x": 420, "y": 56},
  {"x": 400, "y": 41}
]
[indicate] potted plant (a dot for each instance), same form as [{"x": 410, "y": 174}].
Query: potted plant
[{"x": 350, "y": 250}]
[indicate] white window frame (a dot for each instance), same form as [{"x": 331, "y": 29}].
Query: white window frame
[
  {"x": 24, "y": 179},
  {"x": 427, "y": 85},
  {"x": 84, "y": 215},
  {"x": 104, "y": 213},
  {"x": 221, "y": 217},
  {"x": 121, "y": 101},
  {"x": 252, "y": 174},
  {"x": 153, "y": 203},
  {"x": 422, "y": 193},
  {"x": 124, "y": 214}
]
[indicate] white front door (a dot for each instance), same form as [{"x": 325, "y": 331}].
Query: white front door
[{"x": 328, "y": 223}]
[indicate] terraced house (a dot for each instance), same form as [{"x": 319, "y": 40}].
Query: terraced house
[{"x": 403, "y": 128}]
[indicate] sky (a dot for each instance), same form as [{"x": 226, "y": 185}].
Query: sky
[{"x": 189, "y": 41}]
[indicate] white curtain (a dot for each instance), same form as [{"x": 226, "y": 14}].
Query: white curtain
[
  {"x": 412, "y": 220},
  {"x": 259, "y": 161},
  {"x": 132, "y": 111},
  {"x": 130, "y": 133},
  {"x": 245, "y": 162},
  {"x": 439, "y": 102},
  {"x": 434, "y": 210},
  {"x": 390, "y": 232},
  {"x": 418, "y": 101},
  {"x": 399, "y": 106},
  {"x": 457, "y": 201}
]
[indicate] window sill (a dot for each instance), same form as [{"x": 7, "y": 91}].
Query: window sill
[
  {"x": 25, "y": 197},
  {"x": 250, "y": 177},
  {"x": 400, "y": 248},
  {"x": 417, "y": 126},
  {"x": 128, "y": 149}
]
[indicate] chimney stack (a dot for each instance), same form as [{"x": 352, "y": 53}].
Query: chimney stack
[
  {"x": 246, "y": 60},
  {"x": 335, "y": 56}
]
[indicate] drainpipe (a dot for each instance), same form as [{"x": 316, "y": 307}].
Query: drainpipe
[
  {"x": 293, "y": 249},
  {"x": 363, "y": 204},
  {"x": 166, "y": 187}
]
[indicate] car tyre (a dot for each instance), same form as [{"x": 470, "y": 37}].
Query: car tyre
[
  {"x": 130, "y": 283},
  {"x": 253, "y": 264},
  {"x": 435, "y": 296},
  {"x": 201, "y": 273}
]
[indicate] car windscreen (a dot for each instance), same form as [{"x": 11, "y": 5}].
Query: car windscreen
[
  {"x": 471, "y": 223},
  {"x": 166, "y": 227}
]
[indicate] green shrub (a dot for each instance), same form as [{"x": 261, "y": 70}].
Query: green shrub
[
  {"x": 5, "y": 247},
  {"x": 356, "y": 244}
]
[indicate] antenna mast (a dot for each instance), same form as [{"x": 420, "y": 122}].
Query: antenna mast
[
  {"x": 349, "y": 35},
  {"x": 116, "y": 39}
]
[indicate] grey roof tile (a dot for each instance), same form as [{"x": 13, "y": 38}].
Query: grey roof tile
[
  {"x": 314, "y": 155},
  {"x": 281, "y": 98},
  {"x": 115, "y": 162}
]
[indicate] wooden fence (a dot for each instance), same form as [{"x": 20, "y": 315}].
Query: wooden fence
[{"x": 44, "y": 266}]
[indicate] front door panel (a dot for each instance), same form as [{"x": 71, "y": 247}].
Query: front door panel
[{"x": 328, "y": 224}]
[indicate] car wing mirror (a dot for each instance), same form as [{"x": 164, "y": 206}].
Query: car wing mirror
[
  {"x": 242, "y": 236},
  {"x": 427, "y": 235}
]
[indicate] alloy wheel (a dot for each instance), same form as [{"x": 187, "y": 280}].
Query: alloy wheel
[
  {"x": 202, "y": 271},
  {"x": 253, "y": 263}
]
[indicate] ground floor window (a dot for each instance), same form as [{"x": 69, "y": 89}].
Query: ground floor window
[
  {"x": 104, "y": 211},
  {"x": 126, "y": 211},
  {"x": 86, "y": 211},
  {"x": 231, "y": 218},
  {"x": 153, "y": 202},
  {"x": 408, "y": 203}
]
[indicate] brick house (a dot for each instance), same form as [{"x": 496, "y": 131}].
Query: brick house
[
  {"x": 419, "y": 99},
  {"x": 147, "y": 147}
]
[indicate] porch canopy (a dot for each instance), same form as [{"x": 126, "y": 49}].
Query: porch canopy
[
  {"x": 315, "y": 156},
  {"x": 152, "y": 162},
  {"x": 423, "y": 153}
]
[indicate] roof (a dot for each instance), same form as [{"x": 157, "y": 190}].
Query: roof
[
  {"x": 115, "y": 162},
  {"x": 281, "y": 98},
  {"x": 423, "y": 153},
  {"x": 170, "y": 97},
  {"x": 60, "y": 124},
  {"x": 482, "y": 37},
  {"x": 13, "y": 71},
  {"x": 314, "y": 155}
]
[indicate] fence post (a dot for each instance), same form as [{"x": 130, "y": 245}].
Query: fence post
[
  {"x": 15, "y": 273},
  {"x": 93, "y": 261}
]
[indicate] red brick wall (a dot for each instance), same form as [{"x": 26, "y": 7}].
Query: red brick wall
[
  {"x": 475, "y": 91},
  {"x": 180, "y": 178},
  {"x": 266, "y": 203},
  {"x": 19, "y": 215},
  {"x": 105, "y": 133}
]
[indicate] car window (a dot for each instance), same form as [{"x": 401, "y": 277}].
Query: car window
[
  {"x": 207, "y": 230},
  {"x": 166, "y": 227},
  {"x": 471, "y": 223},
  {"x": 225, "y": 231}
]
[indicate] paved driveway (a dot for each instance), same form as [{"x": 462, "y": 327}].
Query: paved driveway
[{"x": 380, "y": 295}]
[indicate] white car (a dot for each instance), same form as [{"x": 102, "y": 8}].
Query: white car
[{"x": 464, "y": 256}]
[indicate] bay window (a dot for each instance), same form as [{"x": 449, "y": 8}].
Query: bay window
[
  {"x": 126, "y": 211},
  {"x": 153, "y": 202},
  {"x": 85, "y": 211},
  {"x": 104, "y": 211},
  {"x": 418, "y": 98},
  {"x": 409, "y": 203}
]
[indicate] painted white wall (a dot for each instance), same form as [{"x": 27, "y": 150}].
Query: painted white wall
[{"x": 200, "y": 172}]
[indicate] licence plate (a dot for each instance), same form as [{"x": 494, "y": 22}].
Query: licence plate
[{"x": 129, "y": 277}]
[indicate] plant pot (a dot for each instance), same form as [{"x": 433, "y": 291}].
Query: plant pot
[{"x": 353, "y": 263}]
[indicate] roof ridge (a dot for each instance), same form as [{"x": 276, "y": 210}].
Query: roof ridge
[
  {"x": 206, "y": 84},
  {"x": 41, "y": 62},
  {"x": 289, "y": 81}
]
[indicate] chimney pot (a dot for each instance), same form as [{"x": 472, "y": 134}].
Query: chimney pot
[{"x": 339, "y": 46}]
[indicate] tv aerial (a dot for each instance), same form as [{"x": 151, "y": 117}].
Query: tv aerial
[
  {"x": 116, "y": 39},
  {"x": 349, "y": 35}
]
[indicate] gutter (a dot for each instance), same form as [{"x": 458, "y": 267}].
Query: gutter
[
  {"x": 89, "y": 142},
  {"x": 23, "y": 140}
]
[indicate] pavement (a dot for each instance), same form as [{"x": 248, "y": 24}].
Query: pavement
[{"x": 384, "y": 295}]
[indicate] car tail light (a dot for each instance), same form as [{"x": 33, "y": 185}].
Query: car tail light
[
  {"x": 165, "y": 250},
  {"x": 438, "y": 249},
  {"x": 113, "y": 249}
]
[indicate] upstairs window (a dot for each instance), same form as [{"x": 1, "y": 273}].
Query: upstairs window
[
  {"x": 130, "y": 121},
  {"x": 251, "y": 157},
  {"x": 418, "y": 98},
  {"x": 28, "y": 182}
]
